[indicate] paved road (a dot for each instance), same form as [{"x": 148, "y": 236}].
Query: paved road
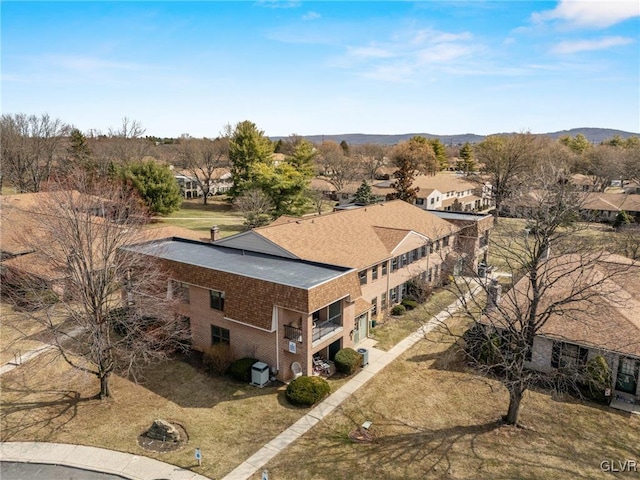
[{"x": 41, "y": 471}]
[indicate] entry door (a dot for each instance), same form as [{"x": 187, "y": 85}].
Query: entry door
[
  {"x": 360, "y": 330},
  {"x": 627, "y": 378}
]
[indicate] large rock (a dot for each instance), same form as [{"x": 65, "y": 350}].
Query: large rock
[{"x": 163, "y": 430}]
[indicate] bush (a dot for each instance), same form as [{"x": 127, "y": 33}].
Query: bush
[
  {"x": 217, "y": 358},
  {"x": 306, "y": 391},
  {"x": 241, "y": 369},
  {"x": 597, "y": 379},
  {"x": 347, "y": 361},
  {"x": 398, "y": 310},
  {"x": 419, "y": 290},
  {"x": 409, "y": 304}
]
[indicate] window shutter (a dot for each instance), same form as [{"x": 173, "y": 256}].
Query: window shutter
[{"x": 555, "y": 354}]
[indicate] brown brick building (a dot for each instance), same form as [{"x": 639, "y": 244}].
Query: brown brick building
[{"x": 310, "y": 286}]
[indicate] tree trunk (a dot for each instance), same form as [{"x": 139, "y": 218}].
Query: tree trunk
[
  {"x": 104, "y": 386},
  {"x": 515, "y": 397},
  {"x": 204, "y": 198}
]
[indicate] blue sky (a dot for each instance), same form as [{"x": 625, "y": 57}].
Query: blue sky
[{"x": 325, "y": 67}]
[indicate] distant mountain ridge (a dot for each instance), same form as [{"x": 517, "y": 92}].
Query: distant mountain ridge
[{"x": 594, "y": 135}]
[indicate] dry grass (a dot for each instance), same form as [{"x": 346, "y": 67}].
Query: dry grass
[
  {"x": 392, "y": 330},
  {"x": 46, "y": 401},
  {"x": 19, "y": 333},
  {"x": 439, "y": 421}
]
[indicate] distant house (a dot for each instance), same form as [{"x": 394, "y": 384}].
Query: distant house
[
  {"x": 606, "y": 206},
  {"x": 445, "y": 191},
  {"x": 221, "y": 182}
]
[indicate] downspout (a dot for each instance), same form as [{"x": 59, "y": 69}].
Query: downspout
[{"x": 277, "y": 321}]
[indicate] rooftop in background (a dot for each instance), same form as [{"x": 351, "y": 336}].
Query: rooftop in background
[
  {"x": 446, "y": 215},
  {"x": 270, "y": 268}
]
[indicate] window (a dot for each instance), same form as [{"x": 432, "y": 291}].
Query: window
[
  {"x": 423, "y": 251},
  {"x": 179, "y": 291},
  {"x": 565, "y": 355},
  {"x": 220, "y": 335},
  {"x": 394, "y": 264},
  {"x": 445, "y": 241},
  {"x": 412, "y": 256},
  {"x": 374, "y": 304},
  {"x": 363, "y": 276},
  {"x": 420, "y": 201},
  {"x": 383, "y": 301},
  {"x": 403, "y": 260},
  {"x": 374, "y": 273},
  {"x": 393, "y": 295},
  {"x": 436, "y": 246},
  {"x": 335, "y": 313},
  {"x": 384, "y": 269},
  {"x": 216, "y": 300},
  {"x": 430, "y": 276},
  {"x": 432, "y": 201}
]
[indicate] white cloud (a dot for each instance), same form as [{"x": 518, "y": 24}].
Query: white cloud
[
  {"x": 590, "y": 45},
  {"x": 369, "y": 52},
  {"x": 311, "y": 16},
  {"x": 590, "y": 13}
]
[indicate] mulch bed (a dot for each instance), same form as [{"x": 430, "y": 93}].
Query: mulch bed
[{"x": 160, "y": 446}]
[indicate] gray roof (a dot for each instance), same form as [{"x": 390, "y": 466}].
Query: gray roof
[
  {"x": 447, "y": 215},
  {"x": 294, "y": 273}
]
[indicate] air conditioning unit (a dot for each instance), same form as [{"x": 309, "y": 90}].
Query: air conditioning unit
[{"x": 259, "y": 374}]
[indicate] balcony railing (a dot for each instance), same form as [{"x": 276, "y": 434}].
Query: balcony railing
[
  {"x": 321, "y": 330},
  {"x": 293, "y": 333}
]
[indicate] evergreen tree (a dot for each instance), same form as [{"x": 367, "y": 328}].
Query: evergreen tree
[
  {"x": 156, "y": 186},
  {"x": 364, "y": 194},
  {"x": 248, "y": 146},
  {"x": 440, "y": 151}
]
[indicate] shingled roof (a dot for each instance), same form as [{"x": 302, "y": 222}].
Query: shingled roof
[
  {"x": 609, "y": 320},
  {"x": 356, "y": 238}
]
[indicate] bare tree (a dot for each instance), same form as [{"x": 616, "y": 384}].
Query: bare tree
[
  {"x": 119, "y": 314},
  {"x": 370, "y": 156},
  {"x": 557, "y": 275},
  {"x": 203, "y": 159},
  {"x": 31, "y": 146},
  {"x": 605, "y": 163},
  {"x": 504, "y": 160},
  {"x": 335, "y": 166},
  {"x": 256, "y": 208},
  {"x": 125, "y": 144}
]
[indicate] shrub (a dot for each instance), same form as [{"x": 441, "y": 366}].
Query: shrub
[
  {"x": 241, "y": 369},
  {"x": 305, "y": 391},
  {"x": 217, "y": 358},
  {"x": 347, "y": 361},
  {"x": 597, "y": 379},
  {"x": 398, "y": 310},
  {"x": 419, "y": 290},
  {"x": 409, "y": 304}
]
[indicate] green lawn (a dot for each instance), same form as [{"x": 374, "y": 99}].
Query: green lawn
[{"x": 196, "y": 216}]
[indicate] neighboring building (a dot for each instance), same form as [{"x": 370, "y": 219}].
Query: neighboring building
[
  {"x": 605, "y": 206},
  {"x": 607, "y": 325},
  {"x": 585, "y": 183},
  {"x": 221, "y": 182},
  {"x": 21, "y": 232},
  {"x": 445, "y": 191}
]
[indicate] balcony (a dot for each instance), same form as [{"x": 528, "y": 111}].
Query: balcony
[
  {"x": 324, "y": 329},
  {"x": 293, "y": 333}
]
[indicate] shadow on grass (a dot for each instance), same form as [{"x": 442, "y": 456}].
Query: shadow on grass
[
  {"x": 184, "y": 382},
  {"x": 20, "y": 414}
]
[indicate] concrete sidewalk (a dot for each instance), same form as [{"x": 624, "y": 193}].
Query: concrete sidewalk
[
  {"x": 125, "y": 465},
  {"x": 378, "y": 359}
]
